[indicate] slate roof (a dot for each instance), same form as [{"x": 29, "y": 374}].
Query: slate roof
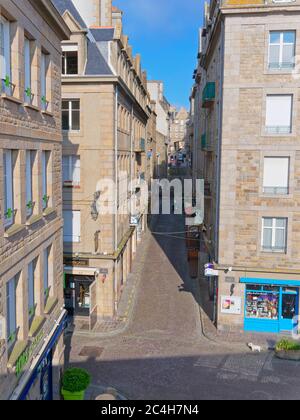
[
  {"x": 102, "y": 34},
  {"x": 96, "y": 64},
  {"x": 63, "y": 5}
]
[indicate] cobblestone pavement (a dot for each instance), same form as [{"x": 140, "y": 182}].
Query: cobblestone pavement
[{"x": 163, "y": 354}]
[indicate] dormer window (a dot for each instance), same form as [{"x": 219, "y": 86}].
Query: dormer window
[{"x": 70, "y": 59}]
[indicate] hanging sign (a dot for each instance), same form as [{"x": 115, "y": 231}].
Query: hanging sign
[{"x": 209, "y": 270}]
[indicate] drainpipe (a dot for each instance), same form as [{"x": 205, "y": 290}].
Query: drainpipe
[
  {"x": 116, "y": 198},
  {"x": 218, "y": 175}
]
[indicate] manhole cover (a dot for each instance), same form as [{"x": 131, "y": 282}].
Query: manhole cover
[{"x": 91, "y": 352}]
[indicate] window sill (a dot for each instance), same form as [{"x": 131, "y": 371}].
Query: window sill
[
  {"x": 36, "y": 325},
  {"x": 33, "y": 107},
  {"x": 34, "y": 219},
  {"x": 14, "y": 230},
  {"x": 50, "y": 305},
  {"x": 48, "y": 113},
  {"x": 11, "y": 99},
  {"x": 47, "y": 212},
  {"x": 18, "y": 349},
  {"x": 271, "y": 252}
]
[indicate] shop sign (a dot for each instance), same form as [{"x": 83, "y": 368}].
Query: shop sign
[
  {"x": 134, "y": 221},
  {"x": 76, "y": 263},
  {"x": 26, "y": 355},
  {"x": 231, "y": 305},
  {"x": 209, "y": 270}
]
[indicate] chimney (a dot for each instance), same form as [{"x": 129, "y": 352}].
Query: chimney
[{"x": 95, "y": 12}]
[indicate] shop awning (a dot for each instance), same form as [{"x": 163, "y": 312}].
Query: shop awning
[{"x": 272, "y": 282}]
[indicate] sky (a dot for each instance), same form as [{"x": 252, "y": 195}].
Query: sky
[{"x": 165, "y": 33}]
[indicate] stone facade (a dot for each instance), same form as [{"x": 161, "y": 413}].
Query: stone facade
[
  {"x": 112, "y": 143},
  {"x": 178, "y": 130},
  {"x": 235, "y": 57},
  {"x": 24, "y": 234}
]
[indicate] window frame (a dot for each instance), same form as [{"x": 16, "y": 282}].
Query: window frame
[
  {"x": 71, "y": 239},
  {"x": 276, "y": 190},
  {"x": 274, "y": 228},
  {"x": 8, "y": 186},
  {"x": 6, "y": 83},
  {"x": 281, "y": 49},
  {"x": 11, "y": 312},
  {"x": 70, "y": 111},
  {"x": 71, "y": 168},
  {"x": 275, "y": 130}
]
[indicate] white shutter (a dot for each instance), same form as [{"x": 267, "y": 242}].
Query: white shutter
[
  {"x": 76, "y": 226},
  {"x": 76, "y": 170},
  {"x": 11, "y": 307},
  {"x": 46, "y": 269},
  {"x": 27, "y": 67},
  {"x": 276, "y": 172},
  {"x": 279, "y": 113},
  {"x": 70, "y": 47}
]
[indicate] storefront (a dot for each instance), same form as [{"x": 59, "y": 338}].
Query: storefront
[
  {"x": 77, "y": 290},
  {"x": 271, "y": 306},
  {"x": 37, "y": 382}
]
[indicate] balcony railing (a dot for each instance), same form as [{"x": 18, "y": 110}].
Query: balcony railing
[
  {"x": 276, "y": 190},
  {"x": 209, "y": 94},
  {"x": 278, "y": 130},
  {"x": 206, "y": 142}
]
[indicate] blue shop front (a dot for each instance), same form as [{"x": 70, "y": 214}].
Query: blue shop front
[
  {"x": 271, "y": 306},
  {"x": 38, "y": 384}
]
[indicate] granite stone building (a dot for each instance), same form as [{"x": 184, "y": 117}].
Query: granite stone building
[
  {"x": 105, "y": 114},
  {"x": 178, "y": 130},
  {"x": 31, "y": 265},
  {"x": 246, "y": 146}
]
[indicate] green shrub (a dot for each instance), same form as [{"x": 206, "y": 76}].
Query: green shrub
[
  {"x": 76, "y": 380},
  {"x": 287, "y": 345}
]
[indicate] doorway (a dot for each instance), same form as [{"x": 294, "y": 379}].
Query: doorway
[{"x": 289, "y": 309}]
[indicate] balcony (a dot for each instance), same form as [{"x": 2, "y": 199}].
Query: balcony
[
  {"x": 209, "y": 95},
  {"x": 206, "y": 144},
  {"x": 140, "y": 146}
]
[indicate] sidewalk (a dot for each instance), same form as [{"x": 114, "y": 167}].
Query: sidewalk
[
  {"x": 228, "y": 338},
  {"x": 108, "y": 328}
]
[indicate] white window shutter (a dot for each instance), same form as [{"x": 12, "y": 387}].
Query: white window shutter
[
  {"x": 43, "y": 75},
  {"x": 276, "y": 172},
  {"x": 279, "y": 112},
  {"x": 76, "y": 170},
  {"x": 76, "y": 225}
]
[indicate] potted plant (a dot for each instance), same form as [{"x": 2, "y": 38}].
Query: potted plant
[
  {"x": 288, "y": 349},
  {"x": 75, "y": 382}
]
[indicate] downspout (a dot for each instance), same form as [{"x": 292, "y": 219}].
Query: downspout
[
  {"x": 218, "y": 177},
  {"x": 219, "y": 146},
  {"x": 116, "y": 198}
]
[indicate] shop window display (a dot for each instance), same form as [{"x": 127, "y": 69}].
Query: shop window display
[{"x": 263, "y": 304}]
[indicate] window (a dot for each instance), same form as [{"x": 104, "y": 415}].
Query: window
[
  {"x": 282, "y": 50},
  {"x": 279, "y": 114},
  {"x": 5, "y": 56},
  {"x": 276, "y": 175},
  {"x": 71, "y": 115},
  {"x": 46, "y": 274},
  {"x": 31, "y": 288},
  {"x": 274, "y": 234},
  {"x": 71, "y": 226},
  {"x": 9, "y": 211},
  {"x": 44, "y": 101},
  {"x": 262, "y": 304},
  {"x": 45, "y": 164},
  {"x": 27, "y": 71},
  {"x": 70, "y": 59},
  {"x": 71, "y": 170},
  {"x": 29, "y": 168},
  {"x": 11, "y": 291}
]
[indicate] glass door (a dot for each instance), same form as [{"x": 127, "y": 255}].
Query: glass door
[
  {"x": 289, "y": 309},
  {"x": 82, "y": 293}
]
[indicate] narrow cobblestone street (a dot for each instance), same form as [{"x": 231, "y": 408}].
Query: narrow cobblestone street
[{"x": 162, "y": 354}]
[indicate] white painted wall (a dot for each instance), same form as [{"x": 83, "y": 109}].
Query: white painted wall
[{"x": 156, "y": 91}]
